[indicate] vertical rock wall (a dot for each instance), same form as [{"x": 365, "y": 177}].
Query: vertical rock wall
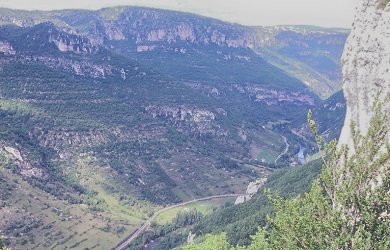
[{"x": 366, "y": 64}]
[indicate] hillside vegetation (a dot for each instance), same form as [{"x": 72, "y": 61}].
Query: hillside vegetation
[
  {"x": 239, "y": 222},
  {"x": 346, "y": 208},
  {"x": 107, "y": 116}
]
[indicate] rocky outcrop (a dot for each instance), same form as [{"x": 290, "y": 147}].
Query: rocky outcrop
[
  {"x": 76, "y": 44},
  {"x": 191, "y": 236},
  {"x": 146, "y": 25},
  {"x": 190, "y": 119},
  {"x": 251, "y": 190},
  {"x": 6, "y": 48},
  {"x": 58, "y": 139},
  {"x": 366, "y": 65},
  {"x": 145, "y": 48},
  {"x": 182, "y": 113},
  {"x": 114, "y": 32},
  {"x": 24, "y": 164},
  {"x": 274, "y": 97},
  {"x": 14, "y": 152}
]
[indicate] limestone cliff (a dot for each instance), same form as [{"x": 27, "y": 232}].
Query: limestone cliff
[{"x": 366, "y": 64}]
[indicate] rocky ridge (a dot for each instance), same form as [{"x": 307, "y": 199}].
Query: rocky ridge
[
  {"x": 132, "y": 30},
  {"x": 272, "y": 97}
]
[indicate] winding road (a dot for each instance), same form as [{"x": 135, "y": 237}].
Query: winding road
[
  {"x": 285, "y": 150},
  {"x": 146, "y": 224}
]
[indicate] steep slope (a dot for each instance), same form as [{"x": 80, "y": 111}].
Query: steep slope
[
  {"x": 311, "y": 54},
  {"x": 329, "y": 116}
]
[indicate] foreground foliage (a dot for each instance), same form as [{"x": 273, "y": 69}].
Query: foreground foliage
[
  {"x": 347, "y": 208},
  {"x": 212, "y": 242},
  {"x": 2, "y": 245}
]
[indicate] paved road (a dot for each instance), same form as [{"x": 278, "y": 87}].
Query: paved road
[
  {"x": 285, "y": 150},
  {"x": 148, "y": 221}
]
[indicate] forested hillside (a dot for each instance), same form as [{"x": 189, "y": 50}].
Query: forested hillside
[{"x": 241, "y": 221}]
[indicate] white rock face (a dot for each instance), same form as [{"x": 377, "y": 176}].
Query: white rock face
[
  {"x": 16, "y": 153},
  {"x": 190, "y": 237},
  {"x": 251, "y": 190},
  {"x": 113, "y": 32},
  {"x": 74, "y": 44},
  {"x": 366, "y": 65}
]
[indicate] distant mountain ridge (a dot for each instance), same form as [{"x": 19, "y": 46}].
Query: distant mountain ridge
[{"x": 138, "y": 29}]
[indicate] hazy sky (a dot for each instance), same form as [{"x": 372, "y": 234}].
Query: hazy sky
[{"x": 328, "y": 13}]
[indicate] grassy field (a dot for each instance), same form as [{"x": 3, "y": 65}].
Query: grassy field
[
  {"x": 268, "y": 156},
  {"x": 268, "y": 147}
]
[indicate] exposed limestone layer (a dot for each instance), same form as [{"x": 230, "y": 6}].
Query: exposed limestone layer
[{"x": 366, "y": 65}]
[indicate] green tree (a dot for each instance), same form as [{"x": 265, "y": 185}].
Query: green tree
[
  {"x": 2, "y": 245},
  {"x": 212, "y": 242},
  {"x": 259, "y": 241},
  {"x": 347, "y": 208}
]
